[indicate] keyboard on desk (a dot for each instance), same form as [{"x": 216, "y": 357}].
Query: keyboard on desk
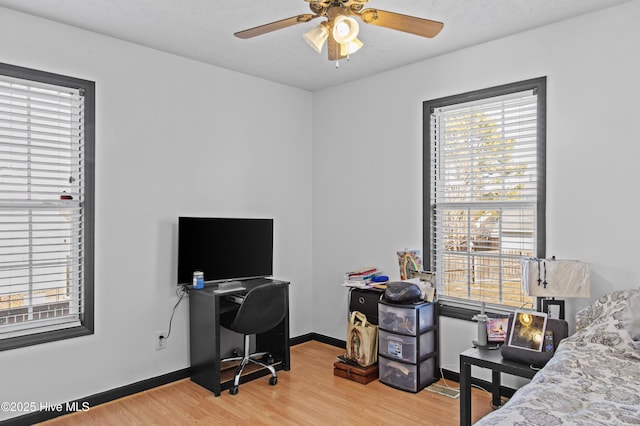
[
  {"x": 228, "y": 290},
  {"x": 238, "y": 299}
]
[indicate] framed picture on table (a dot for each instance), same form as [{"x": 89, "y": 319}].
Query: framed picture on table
[
  {"x": 553, "y": 308},
  {"x": 527, "y": 330}
]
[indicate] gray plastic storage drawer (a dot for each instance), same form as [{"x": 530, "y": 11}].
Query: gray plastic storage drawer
[
  {"x": 403, "y": 318},
  {"x": 409, "y": 377},
  {"x": 406, "y": 348}
]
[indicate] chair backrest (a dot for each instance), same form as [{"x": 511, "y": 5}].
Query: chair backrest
[{"x": 263, "y": 308}]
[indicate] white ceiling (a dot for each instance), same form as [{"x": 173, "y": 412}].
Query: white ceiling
[{"x": 203, "y": 30}]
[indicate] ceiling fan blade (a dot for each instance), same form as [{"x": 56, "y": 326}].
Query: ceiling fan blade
[
  {"x": 273, "y": 26},
  {"x": 397, "y": 21}
]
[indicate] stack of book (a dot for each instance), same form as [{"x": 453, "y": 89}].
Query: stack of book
[{"x": 361, "y": 277}]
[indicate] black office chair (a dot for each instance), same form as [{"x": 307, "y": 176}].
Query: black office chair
[{"x": 263, "y": 308}]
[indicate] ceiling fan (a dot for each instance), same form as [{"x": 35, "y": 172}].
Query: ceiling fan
[{"x": 340, "y": 30}]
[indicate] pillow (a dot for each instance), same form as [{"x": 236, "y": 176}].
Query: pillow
[
  {"x": 603, "y": 310},
  {"x": 631, "y": 318},
  {"x": 603, "y": 323}
]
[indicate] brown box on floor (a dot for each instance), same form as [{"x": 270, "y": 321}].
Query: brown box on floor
[{"x": 356, "y": 373}]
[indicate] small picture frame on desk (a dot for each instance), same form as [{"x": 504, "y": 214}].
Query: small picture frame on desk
[{"x": 553, "y": 308}]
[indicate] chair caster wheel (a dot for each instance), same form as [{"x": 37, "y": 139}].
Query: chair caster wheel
[
  {"x": 273, "y": 381},
  {"x": 233, "y": 390}
]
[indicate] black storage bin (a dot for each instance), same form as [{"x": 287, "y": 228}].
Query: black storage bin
[{"x": 365, "y": 301}]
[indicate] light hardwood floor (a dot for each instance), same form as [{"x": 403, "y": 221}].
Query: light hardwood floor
[{"x": 308, "y": 394}]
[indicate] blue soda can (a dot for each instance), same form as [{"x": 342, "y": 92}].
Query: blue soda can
[{"x": 198, "y": 279}]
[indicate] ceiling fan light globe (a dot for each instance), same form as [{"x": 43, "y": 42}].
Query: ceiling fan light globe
[
  {"x": 353, "y": 46},
  {"x": 345, "y": 29},
  {"x": 316, "y": 37}
]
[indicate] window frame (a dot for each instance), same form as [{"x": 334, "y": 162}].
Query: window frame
[
  {"x": 466, "y": 308},
  {"x": 86, "y": 326}
]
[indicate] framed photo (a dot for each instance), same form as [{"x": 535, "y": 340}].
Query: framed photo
[
  {"x": 527, "y": 330},
  {"x": 553, "y": 308},
  {"x": 497, "y": 330},
  {"x": 409, "y": 260}
]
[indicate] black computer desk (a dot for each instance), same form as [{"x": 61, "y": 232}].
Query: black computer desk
[{"x": 205, "y": 307}]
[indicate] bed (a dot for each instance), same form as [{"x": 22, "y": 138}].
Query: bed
[{"x": 594, "y": 376}]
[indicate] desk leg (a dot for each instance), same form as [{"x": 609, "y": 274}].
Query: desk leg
[
  {"x": 465, "y": 393},
  {"x": 495, "y": 388}
]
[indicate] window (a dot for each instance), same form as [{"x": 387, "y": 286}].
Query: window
[
  {"x": 46, "y": 206},
  {"x": 484, "y": 191}
]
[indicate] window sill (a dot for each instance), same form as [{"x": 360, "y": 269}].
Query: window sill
[
  {"x": 466, "y": 313},
  {"x": 49, "y": 336},
  {"x": 457, "y": 312}
]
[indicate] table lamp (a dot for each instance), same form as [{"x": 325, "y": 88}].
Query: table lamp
[{"x": 547, "y": 279}]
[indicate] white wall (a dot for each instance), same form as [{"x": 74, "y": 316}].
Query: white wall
[
  {"x": 174, "y": 137},
  {"x": 367, "y": 170}
]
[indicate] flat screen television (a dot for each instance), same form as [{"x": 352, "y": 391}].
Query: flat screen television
[{"x": 224, "y": 249}]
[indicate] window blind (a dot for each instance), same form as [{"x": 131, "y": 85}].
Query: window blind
[
  {"x": 484, "y": 192},
  {"x": 41, "y": 206}
]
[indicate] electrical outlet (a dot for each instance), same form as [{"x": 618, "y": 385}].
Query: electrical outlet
[{"x": 161, "y": 340}]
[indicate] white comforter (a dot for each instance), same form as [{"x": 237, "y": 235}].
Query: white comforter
[{"x": 593, "y": 379}]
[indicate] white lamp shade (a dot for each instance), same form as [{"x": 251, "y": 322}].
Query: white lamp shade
[
  {"x": 564, "y": 278},
  {"x": 317, "y": 36},
  {"x": 345, "y": 29}
]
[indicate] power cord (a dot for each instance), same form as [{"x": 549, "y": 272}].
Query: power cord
[
  {"x": 183, "y": 293},
  {"x": 458, "y": 388},
  {"x": 443, "y": 379}
]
